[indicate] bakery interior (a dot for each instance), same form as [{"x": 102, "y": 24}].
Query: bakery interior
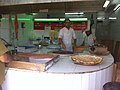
[{"x": 29, "y": 29}]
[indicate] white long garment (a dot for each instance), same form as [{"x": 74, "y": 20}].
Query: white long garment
[
  {"x": 67, "y": 37},
  {"x": 88, "y": 40}
]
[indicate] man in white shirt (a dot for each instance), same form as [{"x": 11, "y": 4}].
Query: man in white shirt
[
  {"x": 88, "y": 38},
  {"x": 67, "y": 36}
]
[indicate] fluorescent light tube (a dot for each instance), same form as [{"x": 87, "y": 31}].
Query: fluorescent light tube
[
  {"x": 70, "y": 13},
  {"x": 34, "y": 13},
  {"x": 78, "y": 19},
  {"x": 74, "y": 13},
  {"x": 38, "y": 19},
  {"x": 62, "y": 19},
  {"x": 26, "y": 19},
  {"x": 74, "y": 19},
  {"x": 117, "y": 7},
  {"x": 106, "y": 3},
  {"x": 100, "y": 18},
  {"x": 112, "y": 18}
]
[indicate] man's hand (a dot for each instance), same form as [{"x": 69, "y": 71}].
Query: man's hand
[
  {"x": 6, "y": 58},
  {"x": 63, "y": 46}
]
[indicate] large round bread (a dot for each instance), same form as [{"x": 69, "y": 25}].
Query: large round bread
[{"x": 86, "y": 59}]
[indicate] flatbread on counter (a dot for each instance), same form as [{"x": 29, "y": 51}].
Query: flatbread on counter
[{"x": 86, "y": 59}]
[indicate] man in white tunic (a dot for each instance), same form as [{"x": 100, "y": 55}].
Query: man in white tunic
[
  {"x": 89, "y": 39},
  {"x": 67, "y": 37}
]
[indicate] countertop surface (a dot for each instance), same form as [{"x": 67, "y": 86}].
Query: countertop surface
[{"x": 66, "y": 65}]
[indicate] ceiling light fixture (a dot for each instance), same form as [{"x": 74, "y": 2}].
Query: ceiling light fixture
[
  {"x": 100, "y": 18},
  {"x": 75, "y": 19},
  {"x": 61, "y": 19},
  {"x": 112, "y": 18},
  {"x": 78, "y": 19},
  {"x": 25, "y": 19},
  {"x": 106, "y": 3},
  {"x": 41, "y": 19},
  {"x": 81, "y": 13},
  {"x": 34, "y": 14},
  {"x": 117, "y": 7}
]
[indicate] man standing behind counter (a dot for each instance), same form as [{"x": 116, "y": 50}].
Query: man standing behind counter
[
  {"x": 88, "y": 38},
  {"x": 5, "y": 58},
  {"x": 66, "y": 35}
]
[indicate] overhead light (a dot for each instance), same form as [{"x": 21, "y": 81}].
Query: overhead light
[
  {"x": 78, "y": 19},
  {"x": 100, "y": 18},
  {"x": 117, "y": 7},
  {"x": 25, "y": 19},
  {"x": 61, "y": 19},
  {"x": 47, "y": 19},
  {"x": 112, "y": 18},
  {"x": 74, "y": 13},
  {"x": 106, "y": 3},
  {"x": 74, "y": 19},
  {"x": 34, "y": 13}
]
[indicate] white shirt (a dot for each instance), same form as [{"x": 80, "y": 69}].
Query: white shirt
[
  {"x": 88, "y": 40},
  {"x": 67, "y": 37}
]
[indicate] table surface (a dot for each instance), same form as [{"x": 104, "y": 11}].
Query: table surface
[{"x": 66, "y": 65}]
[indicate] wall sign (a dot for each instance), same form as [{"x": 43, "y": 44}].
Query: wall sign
[
  {"x": 39, "y": 26},
  {"x": 80, "y": 25},
  {"x": 75, "y": 25}
]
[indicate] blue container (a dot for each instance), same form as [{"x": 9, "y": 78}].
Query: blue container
[
  {"x": 27, "y": 47},
  {"x": 112, "y": 86}
]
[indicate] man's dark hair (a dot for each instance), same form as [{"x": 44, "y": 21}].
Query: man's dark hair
[{"x": 67, "y": 19}]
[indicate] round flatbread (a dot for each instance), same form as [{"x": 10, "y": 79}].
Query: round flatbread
[{"x": 86, "y": 59}]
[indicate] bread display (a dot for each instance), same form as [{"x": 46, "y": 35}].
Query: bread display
[{"x": 86, "y": 59}]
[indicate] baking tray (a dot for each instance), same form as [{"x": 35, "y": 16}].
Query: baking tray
[{"x": 40, "y": 62}]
